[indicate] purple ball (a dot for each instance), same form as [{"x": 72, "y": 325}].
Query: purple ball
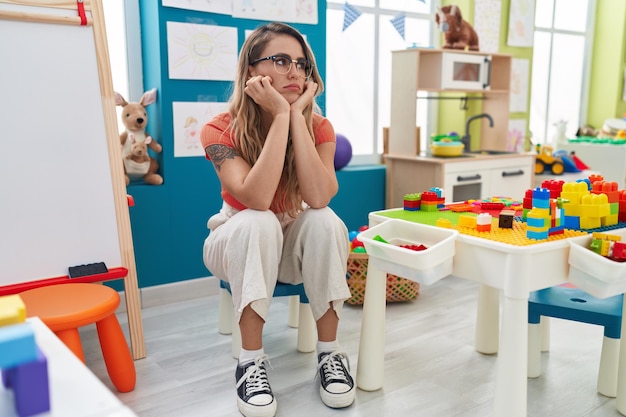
[{"x": 343, "y": 152}]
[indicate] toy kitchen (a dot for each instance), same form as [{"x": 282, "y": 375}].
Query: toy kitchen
[{"x": 470, "y": 168}]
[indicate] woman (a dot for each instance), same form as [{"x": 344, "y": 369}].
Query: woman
[{"x": 274, "y": 157}]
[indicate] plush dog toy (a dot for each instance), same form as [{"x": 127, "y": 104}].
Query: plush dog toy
[
  {"x": 457, "y": 32},
  {"x": 135, "y": 119}
]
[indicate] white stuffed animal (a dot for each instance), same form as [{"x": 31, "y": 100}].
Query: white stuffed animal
[{"x": 135, "y": 119}]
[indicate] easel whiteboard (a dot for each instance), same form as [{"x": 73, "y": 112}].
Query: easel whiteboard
[
  {"x": 55, "y": 179},
  {"x": 62, "y": 192}
]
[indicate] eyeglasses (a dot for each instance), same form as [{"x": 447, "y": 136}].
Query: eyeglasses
[{"x": 282, "y": 64}]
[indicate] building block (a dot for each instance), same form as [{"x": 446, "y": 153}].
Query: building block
[
  {"x": 491, "y": 205},
  {"x": 537, "y": 222},
  {"x": 413, "y": 201},
  {"x": 439, "y": 191},
  {"x": 608, "y": 188},
  {"x": 619, "y": 251},
  {"x": 429, "y": 206},
  {"x": 537, "y": 235},
  {"x": 30, "y": 385},
  {"x": 444, "y": 223},
  {"x": 570, "y": 209},
  {"x": 587, "y": 223},
  {"x": 483, "y": 218},
  {"x": 17, "y": 345},
  {"x": 505, "y": 219},
  {"x": 429, "y": 196},
  {"x": 554, "y": 186},
  {"x": 483, "y": 222},
  {"x": 462, "y": 207},
  {"x": 595, "y": 177},
  {"x": 12, "y": 310},
  {"x": 467, "y": 221},
  {"x": 609, "y": 220}
]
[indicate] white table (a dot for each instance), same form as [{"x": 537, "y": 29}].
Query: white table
[
  {"x": 74, "y": 390},
  {"x": 514, "y": 270}
]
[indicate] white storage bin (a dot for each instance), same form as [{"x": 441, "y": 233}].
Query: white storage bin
[
  {"x": 594, "y": 273},
  {"x": 426, "y": 266}
]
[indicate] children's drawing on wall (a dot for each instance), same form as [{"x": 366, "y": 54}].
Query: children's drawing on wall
[
  {"x": 521, "y": 23},
  {"x": 306, "y": 11},
  {"x": 518, "y": 99},
  {"x": 487, "y": 24},
  {"x": 516, "y": 137},
  {"x": 189, "y": 117},
  {"x": 298, "y": 11},
  {"x": 201, "y": 52},
  {"x": 211, "y": 6}
]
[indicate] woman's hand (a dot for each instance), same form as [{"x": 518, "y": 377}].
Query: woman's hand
[
  {"x": 306, "y": 98},
  {"x": 259, "y": 88}
]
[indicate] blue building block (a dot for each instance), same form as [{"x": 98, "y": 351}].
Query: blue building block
[
  {"x": 541, "y": 203},
  {"x": 541, "y": 194},
  {"x": 30, "y": 385},
  {"x": 539, "y": 222},
  {"x": 17, "y": 345},
  {"x": 537, "y": 235},
  {"x": 572, "y": 222}
]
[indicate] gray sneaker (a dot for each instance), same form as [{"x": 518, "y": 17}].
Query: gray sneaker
[
  {"x": 254, "y": 394},
  {"x": 336, "y": 384}
]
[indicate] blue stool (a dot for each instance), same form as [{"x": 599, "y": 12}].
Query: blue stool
[
  {"x": 300, "y": 316},
  {"x": 571, "y": 303}
]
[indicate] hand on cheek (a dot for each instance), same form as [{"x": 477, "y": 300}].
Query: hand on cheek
[
  {"x": 306, "y": 98},
  {"x": 259, "y": 88}
]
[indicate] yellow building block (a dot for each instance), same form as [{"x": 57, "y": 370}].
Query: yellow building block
[
  {"x": 595, "y": 205},
  {"x": 610, "y": 220},
  {"x": 467, "y": 221},
  {"x": 572, "y": 210},
  {"x": 441, "y": 222},
  {"x": 12, "y": 310},
  {"x": 590, "y": 223}
]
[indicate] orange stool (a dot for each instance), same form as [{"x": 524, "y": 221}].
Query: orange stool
[{"x": 66, "y": 307}]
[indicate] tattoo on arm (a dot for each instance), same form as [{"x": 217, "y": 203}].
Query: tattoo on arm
[{"x": 219, "y": 153}]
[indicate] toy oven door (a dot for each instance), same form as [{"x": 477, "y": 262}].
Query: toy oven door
[{"x": 465, "y": 72}]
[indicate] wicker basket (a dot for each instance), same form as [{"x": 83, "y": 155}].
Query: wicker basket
[{"x": 398, "y": 289}]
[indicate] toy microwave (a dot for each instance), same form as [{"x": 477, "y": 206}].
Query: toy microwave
[{"x": 465, "y": 72}]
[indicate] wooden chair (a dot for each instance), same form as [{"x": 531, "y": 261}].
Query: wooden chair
[
  {"x": 571, "y": 303},
  {"x": 66, "y": 307},
  {"x": 300, "y": 316}
]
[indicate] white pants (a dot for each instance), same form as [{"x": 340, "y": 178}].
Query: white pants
[{"x": 252, "y": 249}]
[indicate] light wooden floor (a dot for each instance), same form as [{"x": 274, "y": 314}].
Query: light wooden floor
[{"x": 431, "y": 367}]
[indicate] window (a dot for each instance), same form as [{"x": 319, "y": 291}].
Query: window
[
  {"x": 121, "y": 19},
  {"x": 562, "y": 45},
  {"x": 358, "y": 80}
]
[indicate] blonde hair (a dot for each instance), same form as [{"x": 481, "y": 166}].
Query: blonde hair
[{"x": 246, "y": 114}]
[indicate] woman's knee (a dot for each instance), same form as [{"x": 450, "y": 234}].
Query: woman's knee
[
  {"x": 324, "y": 220},
  {"x": 258, "y": 222}
]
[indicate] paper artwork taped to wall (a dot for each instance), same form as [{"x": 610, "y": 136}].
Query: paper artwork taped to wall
[
  {"x": 210, "y": 6},
  {"x": 520, "y": 72},
  {"x": 516, "y": 136},
  {"x": 487, "y": 24},
  {"x": 189, "y": 117},
  {"x": 201, "y": 52},
  {"x": 521, "y": 23},
  {"x": 296, "y": 11}
]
